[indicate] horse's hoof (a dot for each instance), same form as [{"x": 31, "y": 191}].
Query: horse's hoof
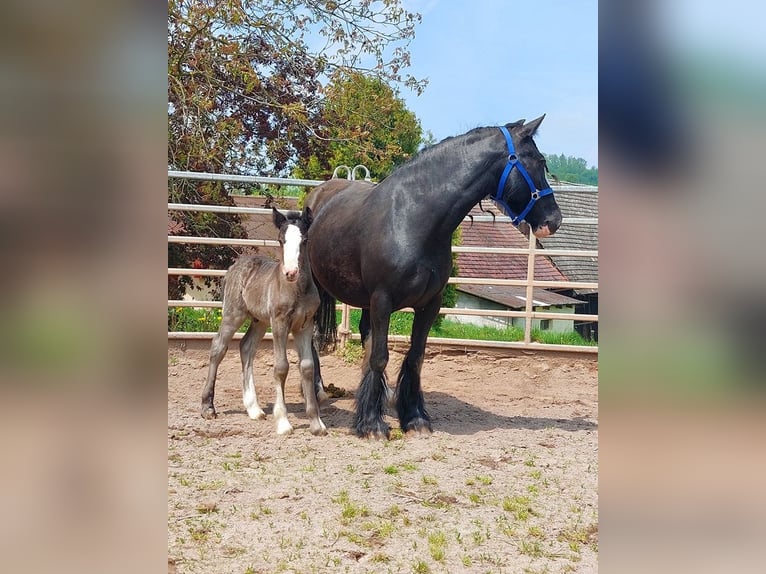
[
  {"x": 418, "y": 427},
  {"x": 318, "y": 430},
  {"x": 208, "y": 413},
  {"x": 413, "y": 433},
  {"x": 383, "y": 433}
]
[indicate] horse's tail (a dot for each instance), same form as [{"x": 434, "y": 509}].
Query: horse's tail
[{"x": 325, "y": 322}]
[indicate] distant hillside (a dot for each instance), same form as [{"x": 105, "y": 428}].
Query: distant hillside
[{"x": 572, "y": 169}]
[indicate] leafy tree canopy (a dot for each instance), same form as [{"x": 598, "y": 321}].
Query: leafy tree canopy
[
  {"x": 362, "y": 121},
  {"x": 245, "y": 90}
]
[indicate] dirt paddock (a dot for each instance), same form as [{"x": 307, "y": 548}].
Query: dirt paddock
[{"x": 506, "y": 483}]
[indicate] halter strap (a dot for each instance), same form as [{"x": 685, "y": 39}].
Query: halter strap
[{"x": 513, "y": 162}]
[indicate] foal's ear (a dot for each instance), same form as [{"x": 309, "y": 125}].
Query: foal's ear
[
  {"x": 307, "y": 215},
  {"x": 530, "y": 128},
  {"x": 278, "y": 218}
]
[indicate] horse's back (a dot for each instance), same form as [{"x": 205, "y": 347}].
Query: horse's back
[{"x": 324, "y": 192}]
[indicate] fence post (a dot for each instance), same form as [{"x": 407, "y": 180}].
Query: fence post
[
  {"x": 345, "y": 324},
  {"x": 529, "y": 308}
]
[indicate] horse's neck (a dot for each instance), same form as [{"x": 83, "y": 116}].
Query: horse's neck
[{"x": 470, "y": 169}]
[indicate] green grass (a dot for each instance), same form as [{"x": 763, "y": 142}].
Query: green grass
[{"x": 197, "y": 320}]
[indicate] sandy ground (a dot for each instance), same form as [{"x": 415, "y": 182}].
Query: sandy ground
[{"x": 506, "y": 483}]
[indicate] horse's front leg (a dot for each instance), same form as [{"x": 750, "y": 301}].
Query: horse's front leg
[
  {"x": 306, "y": 364},
  {"x": 410, "y": 406},
  {"x": 281, "y": 366},
  {"x": 364, "y": 330},
  {"x": 371, "y": 395}
]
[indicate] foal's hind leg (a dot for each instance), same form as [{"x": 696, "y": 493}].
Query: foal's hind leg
[
  {"x": 306, "y": 363},
  {"x": 410, "y": 406},
  {"x": 231, "y": 321},
  {"x": 247, "y": 347}
]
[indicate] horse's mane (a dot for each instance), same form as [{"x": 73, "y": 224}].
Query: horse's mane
[{"x": 426, "y": 152}]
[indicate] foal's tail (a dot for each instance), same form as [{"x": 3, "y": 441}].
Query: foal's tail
[{"x": 325, "y": 322}]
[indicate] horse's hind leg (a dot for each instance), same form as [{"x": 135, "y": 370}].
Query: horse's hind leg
[
  {"x": 230, "y": 322},
  {"x": 281, "y": 366},
  {"x": 410, "y": 406},
  {"x": 306, "y": 364},
  {"x": 247, "y": 347}
]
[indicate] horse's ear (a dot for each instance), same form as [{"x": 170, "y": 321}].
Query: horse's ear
[
  {"x": 307, "y": 215},
  {"x": 279, "y": 219},
  {"x": 530, "y": 128},
  {"x": 516, "y": 124}
]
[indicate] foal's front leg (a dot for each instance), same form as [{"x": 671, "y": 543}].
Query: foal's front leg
[
  {"x": 281, "y": 366},
  {"x": 247, "y": 348}
]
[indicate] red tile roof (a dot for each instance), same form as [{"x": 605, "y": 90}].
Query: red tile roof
[{"x": 498, "y": 266}]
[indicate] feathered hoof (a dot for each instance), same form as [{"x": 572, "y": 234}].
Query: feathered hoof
[
  {"x": 418, "y": 427},
  {"x": 379, "y": 432}
]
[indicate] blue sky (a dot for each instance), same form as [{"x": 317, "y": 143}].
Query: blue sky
[{"x": 490, "y": 62}]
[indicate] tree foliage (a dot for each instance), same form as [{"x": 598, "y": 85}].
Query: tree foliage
[
  {"x": 245, "y": 90},
  {"x": 362, "y": 121},
  {"x": 571, "y": 169}
]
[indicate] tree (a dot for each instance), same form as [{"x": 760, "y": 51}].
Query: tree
[
  {"x": 362, "y": 121},
  {"x": 245, "y": 88},
  {"x": 571, "y": 169}
]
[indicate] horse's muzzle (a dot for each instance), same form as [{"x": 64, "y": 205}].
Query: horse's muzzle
[
  {"x": 549, "y": 227},
  {"x": 291, "y": 275}
]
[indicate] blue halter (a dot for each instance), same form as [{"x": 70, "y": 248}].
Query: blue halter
[{"x": 513, "y": 161}]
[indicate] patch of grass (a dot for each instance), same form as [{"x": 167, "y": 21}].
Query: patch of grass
[
  {"x": 437, "y": 544},
  {"x": 352, "y": 353},
  {"x": 531, "y": 548},
  {"x": 349, "y": 510},
  {"x": 409, "y": 466},
  {"x": 396, "y": 434},
  {"x": 438, "y": 457},
  {"x": 391, "y": 469},
  {"x": 429, "y": 480},
  {"x": 466, "y": 560},
  {"x": 379, "y": 558},
  {"x": 420, "y": 567},
  {"x": 519, "y": 506},
  {"x": 210, "y": 485}
]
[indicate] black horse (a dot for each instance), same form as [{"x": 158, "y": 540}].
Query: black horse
[{"x": 387, "y": 246}]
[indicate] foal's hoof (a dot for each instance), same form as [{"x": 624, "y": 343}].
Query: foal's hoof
[
  {"x": 318, "y": 429},
  {"x": 208, "y": 413}
]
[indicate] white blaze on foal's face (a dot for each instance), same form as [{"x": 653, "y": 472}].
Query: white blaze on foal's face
[{"x": 291, "y": 252}]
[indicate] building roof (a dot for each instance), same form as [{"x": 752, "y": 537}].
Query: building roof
[
  {"x": 576, "y": 236},
  {"x": 516, "y": 297},
  {"x": 499, "y": 266}
]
